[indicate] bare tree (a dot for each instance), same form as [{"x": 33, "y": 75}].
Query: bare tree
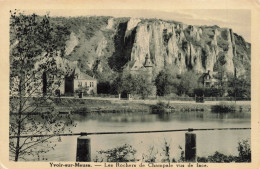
[{"x": 35, "y": 42}]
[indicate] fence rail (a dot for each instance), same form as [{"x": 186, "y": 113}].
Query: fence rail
[
  {"x": 126, "y": 132},
  {"x": 83, "y": 151}
]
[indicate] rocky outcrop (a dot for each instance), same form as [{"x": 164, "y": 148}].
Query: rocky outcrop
[
  {"x": 110, "y": 23},
  {"x": 101, "y": 46},
  {"x": 71, "y": 43},
  {"x": 166, "y": 43}
]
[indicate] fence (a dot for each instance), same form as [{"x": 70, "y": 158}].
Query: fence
[
  {"x": 174, "y": 98},
  {"x": 83, "y": 153}
]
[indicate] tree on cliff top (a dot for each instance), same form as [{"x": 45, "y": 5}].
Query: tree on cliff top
[{"x": 33, "y": 41}]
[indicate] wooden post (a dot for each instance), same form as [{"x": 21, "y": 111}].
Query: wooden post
[
  {"x": 83, "y": 149},
  {"x": 190, "y": 147}
]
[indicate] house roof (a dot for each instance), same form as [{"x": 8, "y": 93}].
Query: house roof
[
  {"x": 71, "y": 69},
  {"x": 84, "y": 76}
]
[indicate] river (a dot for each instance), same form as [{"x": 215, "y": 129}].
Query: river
[{"x": 207, "y": 141}]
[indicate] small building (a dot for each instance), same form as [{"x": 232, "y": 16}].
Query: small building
[
  {"x": 137, "y": 68},
  {"x": 78, "y": 81},
  {"x": 72, "y": 81},
  {"x": 209, "y": 79}
]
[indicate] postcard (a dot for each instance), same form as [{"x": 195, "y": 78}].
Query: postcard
[{"x": 130, "y": 84}]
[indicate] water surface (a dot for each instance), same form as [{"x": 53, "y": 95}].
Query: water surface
[{"x": 207, "y": 141}]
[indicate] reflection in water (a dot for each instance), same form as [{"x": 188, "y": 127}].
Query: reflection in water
[
  {"x": 145, "y": 117},
  {"x": 207, "y": 141},
  {"x": 118, "y": 117}
]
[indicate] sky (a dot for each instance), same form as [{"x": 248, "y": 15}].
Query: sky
[{"x": 237, "y": 19}]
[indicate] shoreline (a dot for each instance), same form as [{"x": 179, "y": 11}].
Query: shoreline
[
  {"x": 114, "y": 105},
  {"x": 71, "y": 105}
]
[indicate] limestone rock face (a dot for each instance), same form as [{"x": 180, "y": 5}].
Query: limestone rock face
[
  {"x": 132, "y": 23},
  {"x": 71, "y": 43},
  {"x": 179, "y": 46},
  {"x": 101, "y": 46},
  {"x": 110, "y": 23}
]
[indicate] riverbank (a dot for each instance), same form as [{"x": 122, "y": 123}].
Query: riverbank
[{"x": 114, "y": 105}]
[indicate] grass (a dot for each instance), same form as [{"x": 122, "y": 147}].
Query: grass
[{"x": 82, "y": 106}]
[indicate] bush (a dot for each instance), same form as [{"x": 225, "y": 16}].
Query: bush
[
  {"x": 126, "y": 153},
  {"x": 244, "y": 151},
  {"x": 244, "y": 155},
  {"x": 81, "y": 110},
  {"x": 221, "y": 158},
  {"x": 223, "y": 108},
  {"x": 160, "y": 107},
  {"x": 123, "y": 153}
]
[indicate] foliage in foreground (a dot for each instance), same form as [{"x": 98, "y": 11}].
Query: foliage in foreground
[
  {"x": 123, "y": 153},
  {"x": 243, "y": 156},
  {"x": 34, "y": 44},
  {"x": 126, "y": 153}
]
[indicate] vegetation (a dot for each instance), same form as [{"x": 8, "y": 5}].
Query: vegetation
[
  {"x": 123, "y": 153},
  {"x": 160, "y": 107},
  {"x": 127, "y": 83},
  {"x": 189, "y": 81},
  {"x": 88, "y": 25},
  {"x": 222, "y": 43},
  {"x": 240, "y": 86},
  {"x": 167, "y": 81},
  {"x": 223, "y": 107},
  {"x": 117, "y": 52},
  {"x": 209, "y": 92},
  {"x": 244, "y": 155},
  {"x": 126, "y": 153},
  {"x": 35, "y": 42}
]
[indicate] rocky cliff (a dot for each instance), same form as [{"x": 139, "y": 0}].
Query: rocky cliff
[{"x": 106, "y": 44}]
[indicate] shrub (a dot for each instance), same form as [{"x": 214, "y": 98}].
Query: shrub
[
  {"x": 244, "y": 151},
  {"x": 123, "y": 153},
  {"x": 244, "y": 155},
  {"x": 160, "y": 107},
  {"x": 223, "y": 108},
  {"x": 151, "y": 156},
  {"x": 221, "y": 158},
  {"x": 81, "y": 110},
  {"x": 202, "y": 159}
]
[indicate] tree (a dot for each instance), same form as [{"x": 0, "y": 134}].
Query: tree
[
  {"x": 143, "y": 86},
  {"x": 126, "y": 83},
  {"x": 35, "y": 41},
  {"x": 166, "y": 82},
  {"x": 188, "y": 82},
  {"x": 240, "y": 86}
]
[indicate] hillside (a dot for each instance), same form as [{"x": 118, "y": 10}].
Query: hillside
[{"x": 105, "y": 45}]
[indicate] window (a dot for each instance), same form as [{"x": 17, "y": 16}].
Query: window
[
  {"x": 86, "y": 83},
  {"x": 80, "y": 84},
  {"x": 91, "y": 84}
]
